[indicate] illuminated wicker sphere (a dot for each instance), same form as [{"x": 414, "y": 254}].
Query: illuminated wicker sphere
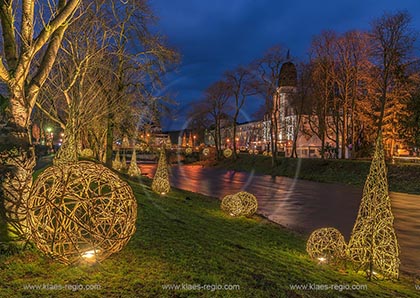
[
  {"x": 326, "y": 245},
  {"x": 251, "y": 151},
  {"x": 227, "y": 152},
  {"x": 188, "y": 151},
  {"x": 87, "y": 153},
  {"x": 206, "y": 151},
  {"x": 240, "y": 204},
  {"x": 265, "y": 153},
  {"x": 232, "y": 205},
  {"x": 249, "y": 203},
  {"x": 81, "y": 212}
]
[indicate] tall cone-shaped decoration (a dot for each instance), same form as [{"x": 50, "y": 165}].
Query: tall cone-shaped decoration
[
  {"x": 134, "y": 170},
  {"x": 116, "y": 163},
  {"x": 373, "y": 243},
  {"x": 123, "y": 162},
  {"x": 184, "y": 140},
  {"x": 160, "y": 182}
]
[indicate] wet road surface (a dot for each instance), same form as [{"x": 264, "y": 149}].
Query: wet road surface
[{"x": 303, "y": 205}]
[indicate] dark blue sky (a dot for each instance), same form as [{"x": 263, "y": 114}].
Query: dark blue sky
[{"x": 217, "y": 35}]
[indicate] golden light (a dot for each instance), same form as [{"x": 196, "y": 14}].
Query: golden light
[
  {"x": 134, "y": 169},
  {"x": 160, "y": 182},
  {"x": 188, "y": 151},
  {"x": 90, "y": 254},
  {"x": 206, "y": 151},
  {"x": 227, "y": 152},
  {"x": 88, "y": 217},
  {"x": 373, "y": 243},
  {"x": 240, "y": 204},
  {"x": 326, "y": 243}
]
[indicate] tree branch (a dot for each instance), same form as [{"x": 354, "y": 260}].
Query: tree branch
[
  {"x": 46, "y": 65},
  {"x": 4, "y": 74},
  {"x": 62, "y": 17},
  {"x": 8, "y": 30}
]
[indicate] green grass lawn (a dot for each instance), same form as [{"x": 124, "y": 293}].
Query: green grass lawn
[
  {"x": 182, "y": 241},
  {"x": 401, "y": 177}
]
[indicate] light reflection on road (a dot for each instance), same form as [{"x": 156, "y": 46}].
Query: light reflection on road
[{"x": 303, "y": 205}]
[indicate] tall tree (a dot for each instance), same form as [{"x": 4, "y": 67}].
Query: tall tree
[
  {"x": 322, "y": 60},
  {"x": 391, "y": 48},
  {"x": 32, "y": 32},
  {"x": 267, "y": 77},
  {"x": 241, "y": 84}
]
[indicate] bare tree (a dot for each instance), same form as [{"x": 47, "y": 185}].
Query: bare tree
[
  {"x": 241, "y": 85},
  {"x": 268, "y": 73},
  {"x": 29, "y": 49},
  {"x": 391, "y": 46},
  {"x": 215, "y": 104},
  {"x": 322, "y": 59}
]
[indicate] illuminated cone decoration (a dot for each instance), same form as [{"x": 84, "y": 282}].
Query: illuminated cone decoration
[
  {"x": 123, "y": 162},
  {"x": 160, "y": 182},
  {"x": 373, "y": 243},
  {"x": 116, "y": 163},
  {"x": 134, "y": 170}
]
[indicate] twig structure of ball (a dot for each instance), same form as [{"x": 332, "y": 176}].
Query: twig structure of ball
[
  {"x": 240, "y": 204},
  {"x": 326, "y": 245},
  {"x": 81, "y": 212},
  {"x": 160, "y": 182},
  {"x": 227, "y": 152},
  {"x": 86, "y": 153}
]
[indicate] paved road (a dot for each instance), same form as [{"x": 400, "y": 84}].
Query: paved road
[{"x": 304, "y": 205}]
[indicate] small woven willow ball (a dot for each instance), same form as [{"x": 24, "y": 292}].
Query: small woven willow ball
[
  {"x": 81, "y": 212},
  {"x": 240, "y": 204},
  {"x": 87, "y": 153},
  {"x": 326, "y": 245},
  {"x": 227, "y": 152},
  {"x": 188, "y": 151},
  {"x": 232, "y": 204},
  {"x": 249, "y": 203},
  {"x": 206, "y": 151},
  {"x": 251, "y": 151}
]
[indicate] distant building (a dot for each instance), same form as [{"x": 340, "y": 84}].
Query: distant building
[{"x": 256, "y": 135}]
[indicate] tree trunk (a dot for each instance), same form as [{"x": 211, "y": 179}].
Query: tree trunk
[{"x": 16, "y": 167}]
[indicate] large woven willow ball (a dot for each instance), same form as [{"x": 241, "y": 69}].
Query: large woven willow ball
[
  {"x": 232, "y": 205},
  {"x": 249, "y": 203},
  {"x": 227, "y": 152},
  {"x": 81, "y": 212},
  {"x": 188, "y": 151},
  {"x": 326, "y": 245}
]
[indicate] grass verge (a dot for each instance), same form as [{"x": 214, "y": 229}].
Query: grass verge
[
  {"x": 184, "y": 239},
  {"x": 401, "y": 177}
]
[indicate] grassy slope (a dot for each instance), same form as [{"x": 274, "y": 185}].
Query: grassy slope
[
  {"x": 401, "y": 177},
  {"x": 192, "y": 242}
]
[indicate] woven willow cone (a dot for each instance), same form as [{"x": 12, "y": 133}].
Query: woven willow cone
[
  {"x": 123, "y": 162},
  {"x": 160, "y": 182},
  {"x": 116, "y": 163},
  {"x": 373, "y": 244},
  {"x": 134, "y": 170}
]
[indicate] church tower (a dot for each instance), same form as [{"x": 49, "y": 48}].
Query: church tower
[{"x": 282, "y": 104}]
